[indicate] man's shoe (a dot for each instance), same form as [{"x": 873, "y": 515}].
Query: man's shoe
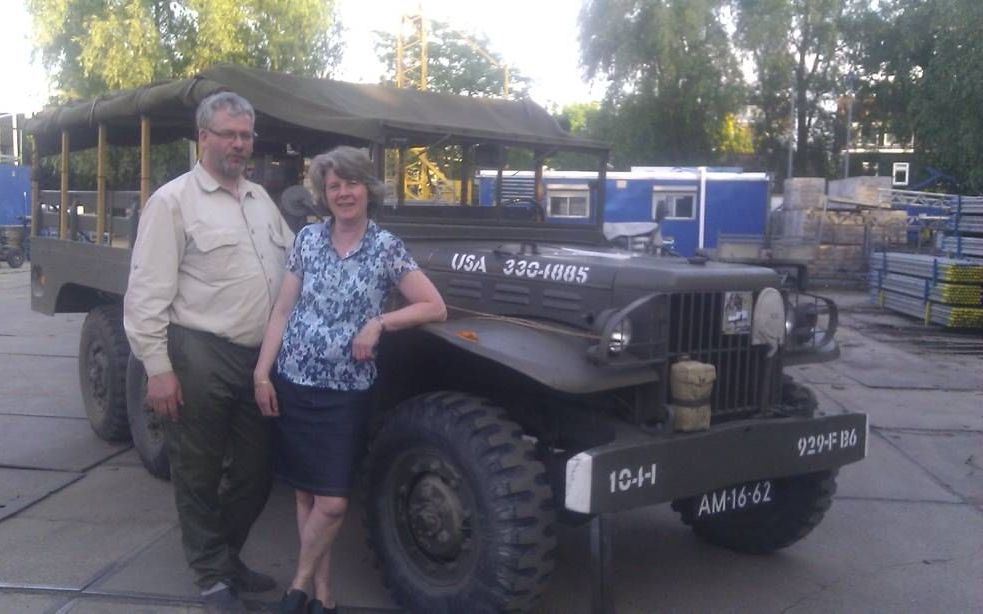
[
  {"x": 314, "y": 606},
  {"x": 249, "y": 581},
  {"x": 293, "y": 602},
  {"x": 222, "y": 599}
]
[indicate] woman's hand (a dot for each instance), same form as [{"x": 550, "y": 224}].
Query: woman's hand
[
  {"x": 266, "y": 398},
  {"x": 365, "y": 342}
]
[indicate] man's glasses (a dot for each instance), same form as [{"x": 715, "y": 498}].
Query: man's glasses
[{"x": 231, "y": 135}]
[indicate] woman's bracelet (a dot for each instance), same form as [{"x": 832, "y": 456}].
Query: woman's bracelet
[{"x": 261, "y": 382}]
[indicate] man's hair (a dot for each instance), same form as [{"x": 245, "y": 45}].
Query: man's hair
[
  {"x": 351, "y": 164},
  {"x": 230, "y": 102}
]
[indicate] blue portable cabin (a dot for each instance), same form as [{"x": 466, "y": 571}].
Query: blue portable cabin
[
  {"x": 15, "y": 194},
  {"x": 703, "y": 203}
]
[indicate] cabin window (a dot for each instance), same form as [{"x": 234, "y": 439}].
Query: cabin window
[
  {"x": 568, "y": 201},
  {"x": 899, "y": 173},
  {"x": 680, "y": 204}
]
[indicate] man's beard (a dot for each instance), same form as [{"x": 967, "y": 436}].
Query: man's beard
[{"x": 230, "y": 169}]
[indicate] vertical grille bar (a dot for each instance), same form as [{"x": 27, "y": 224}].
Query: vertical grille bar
[{"x": 696, "y": 329}]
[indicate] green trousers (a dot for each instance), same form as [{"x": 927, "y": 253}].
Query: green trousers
[{"x": 218, "y": 450}]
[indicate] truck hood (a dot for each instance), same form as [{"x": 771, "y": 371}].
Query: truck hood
[{"x": 589, "y": 266}]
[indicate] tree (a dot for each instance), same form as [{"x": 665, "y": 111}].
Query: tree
[
  {"x": 673, "y": 77},
  {"x": 921, "y": 72},
  {"x": 797, "y": 50},
  {"x": 89, "y": 46},
  {"x": 458, "y": 63}
]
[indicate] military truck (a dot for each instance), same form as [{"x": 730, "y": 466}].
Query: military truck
[{"x": 573, "y": 379}]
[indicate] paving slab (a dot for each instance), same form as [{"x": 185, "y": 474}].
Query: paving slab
[
  {"x": 955, "y": 459},
  {"x": 111, "y": 495},
  {"x": 124, "y": 605},
  {"x": 660, "y": 566},
  {"x": 40, "y": 386},
  {"x": 130, "y": 458},
  {"x": 66, "y": 444},
  {"x": 940, "y": 410},
  {"x": 879, "y": 365},
  {"x": 161, "y": 571},
  {"x": 68, "y": 554},
  {"x": 30, "y": 603},
  {"x": 887, "y": 473},
  {"x": 24, "y": 332},
  {"x": 20, "y": 488}
]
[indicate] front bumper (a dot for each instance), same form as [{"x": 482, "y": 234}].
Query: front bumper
[{"x": 647, "y": 470}]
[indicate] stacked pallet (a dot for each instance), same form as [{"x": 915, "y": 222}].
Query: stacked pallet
[
  {"x": 943, "y": 291},
  {"x": 843, "y": 227}
]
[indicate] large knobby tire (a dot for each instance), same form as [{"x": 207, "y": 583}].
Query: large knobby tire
[
  {"x": 103, "y": 354},
  {"x": 15, "y": 258},
  {"x": 797, "y": 399},
  {"x": 146, "y": 426},
  {"x": 797, "y": 506},
  {"x": 458, "y": 509}
]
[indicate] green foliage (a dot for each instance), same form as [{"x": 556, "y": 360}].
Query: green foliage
[
  {"x": 89, "y": 46},
  {"x": 673, "y": 77},
  {"x": 921, "y": 64},
  {"x": 455, "y": 65},
  {"x": 798, "y": 52}
]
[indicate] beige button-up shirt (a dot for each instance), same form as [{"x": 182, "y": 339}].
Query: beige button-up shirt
[{"x": 205, "y": 260}]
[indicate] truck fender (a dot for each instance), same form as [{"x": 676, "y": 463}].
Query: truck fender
[{"x": 553, "y": 356}]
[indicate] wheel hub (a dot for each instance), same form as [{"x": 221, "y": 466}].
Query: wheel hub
[{"x": 436, "y": 517}]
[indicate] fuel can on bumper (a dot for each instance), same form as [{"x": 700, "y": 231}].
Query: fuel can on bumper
[{"x": 628, "y": 474}]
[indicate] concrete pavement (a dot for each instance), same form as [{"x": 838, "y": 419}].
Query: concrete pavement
[{"x": 84, "y": 529}]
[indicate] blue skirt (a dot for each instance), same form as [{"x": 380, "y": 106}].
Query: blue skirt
[{"x": 319, "y": 437}]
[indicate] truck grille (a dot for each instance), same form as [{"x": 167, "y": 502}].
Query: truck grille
[{"x": 696, "y": 330}]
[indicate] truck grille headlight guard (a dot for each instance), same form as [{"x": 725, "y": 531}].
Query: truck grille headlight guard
[{"x": 769, "y": 324}]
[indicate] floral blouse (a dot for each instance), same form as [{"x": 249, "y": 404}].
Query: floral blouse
[{"x": 338, "y": 296}]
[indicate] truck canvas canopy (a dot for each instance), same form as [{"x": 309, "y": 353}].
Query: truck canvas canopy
[{"x": 306, "y": 111}]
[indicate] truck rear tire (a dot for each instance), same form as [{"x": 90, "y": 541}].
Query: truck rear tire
[
  {"x": 15, "y": 258},
  {"x": 103, "y": 353},
  {"x": 459, "y": 511},
  {"x": 146, "y": 426},
  {"x": 798, "y": 506}
]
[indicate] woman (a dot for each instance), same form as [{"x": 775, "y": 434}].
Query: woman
[{"x": 323, "y": 333}]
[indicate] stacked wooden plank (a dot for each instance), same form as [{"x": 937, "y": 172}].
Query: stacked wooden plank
[{"x": 944, "y": 291}]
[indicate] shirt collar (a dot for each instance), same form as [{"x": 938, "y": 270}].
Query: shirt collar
[
  {"x": 370, "y": 232},
  {"x": 209, "y": 184}
]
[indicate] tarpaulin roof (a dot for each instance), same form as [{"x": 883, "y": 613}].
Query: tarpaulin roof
[{"x": 305, "y": 110}]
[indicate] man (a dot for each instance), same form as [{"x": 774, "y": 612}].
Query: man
[{"x": 206, "y": 268}]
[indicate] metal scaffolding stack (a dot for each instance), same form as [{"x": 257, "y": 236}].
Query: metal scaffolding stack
[
  {"x": 943, "y": 291},
  {"x": 964, "y": 231}
]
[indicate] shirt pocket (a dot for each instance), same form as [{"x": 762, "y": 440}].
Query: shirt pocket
[{"x": 216, "y": 256}]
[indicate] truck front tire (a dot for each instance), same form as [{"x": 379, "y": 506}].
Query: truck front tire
[
  {"x": 103, "y": 354},
  {"x": 459, "y": 511},
  {"x": 145, "y": 424}
]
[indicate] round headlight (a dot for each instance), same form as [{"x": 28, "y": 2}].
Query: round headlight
[{"x": 620, "y": 336}]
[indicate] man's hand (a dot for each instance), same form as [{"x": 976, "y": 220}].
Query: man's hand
[
  {"x": 164, "y": 395},
  {"x": 266, "y": 399}
]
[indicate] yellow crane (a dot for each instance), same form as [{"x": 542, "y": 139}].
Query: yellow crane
[{"x": 422, "y": 178}]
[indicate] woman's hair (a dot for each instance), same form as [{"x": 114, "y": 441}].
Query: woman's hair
[
  {"x": 230, "y": 102},
  {"x": 349, "y": 163}
]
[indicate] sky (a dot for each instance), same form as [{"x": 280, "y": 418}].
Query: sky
[{"x": 538, "y": 37}]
